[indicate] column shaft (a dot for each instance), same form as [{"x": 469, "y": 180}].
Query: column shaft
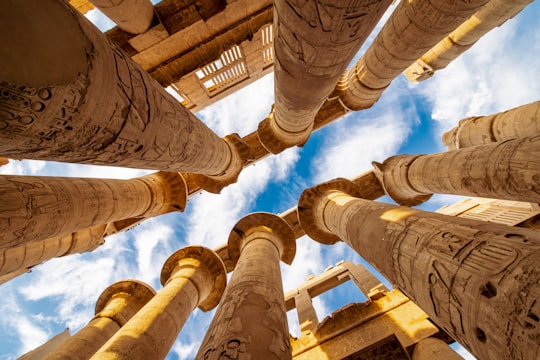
[
  {"x": 193, "y": 276},
  {"x": 307, "y": 316},
  {"x": 505, "y": 170},
  {"x": 433, "y": 348},
  {"x": 412, "y": 29},
  {"x": 493, "y": 14},
  {"x": 315, "y": 41},
  {"x": 519, "y": 122},
  {"x": 477, "y": 280},
  {"x": 68, "y": 95},
  {"x": 34, "y": 208},
  {"x": 251, "y": 319},
  {"x": 133, "y": 16}
]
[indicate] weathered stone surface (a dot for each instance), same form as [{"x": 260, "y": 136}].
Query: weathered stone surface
[
  {"x": 134, "y": 16},
  {"x": 433, "y": 348}
]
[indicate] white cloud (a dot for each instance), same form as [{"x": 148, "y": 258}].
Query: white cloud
[{"x": 30, "y": 334}]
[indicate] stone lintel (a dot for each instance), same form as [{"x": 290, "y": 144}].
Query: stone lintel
[
  {"x": 393, "y": 175},
  {"x": 280, "y": 233},
  {"x": 135, "y": 293},
  {"x": 307, "y": 204},
  {"x": 241, "y": 155},
  {"x": 187, "y": 262}
]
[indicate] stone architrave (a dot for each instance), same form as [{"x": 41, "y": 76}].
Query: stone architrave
[
  {"x": 192, "y": 277},
  {"x": 508, "y": 170},
  {"x": 412, "y": 29},
  {"x": 522, "y": 121},
  {"x": 493, "y": 14},
  {"x": 134, "y": 16},
  {"x": 34, "y": 208},
  {"x": 314, "y": 43},
  {"x": 67, "y": 94},
  {"x": 477, "y": 280},
  {"x": 433, "y": 348},
  {"x": 26, "y": 256},
  {"x": 115, "y": 306},
  {"x": 251, "y": 320}
]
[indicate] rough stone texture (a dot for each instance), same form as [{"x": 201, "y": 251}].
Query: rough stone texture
[
  {"x": 76, "y": 98},
  {"x": 34, "y": 208},
  {"x": 522, "y": 121},
  {"x": 251, "y": 321},
  {"x": 412, "y": 29},
  {"x": 193, "y": 276},
  {"x": 493, "y": 14},
  {"x": 478, "y": 281},
  {"x": 133, "y": 16},
  {"x": 504, "y": 170},
  {"x": 433, "y": 348},
  {"x": 115, "y": 306},
  {"x": 315, "y": 41}
]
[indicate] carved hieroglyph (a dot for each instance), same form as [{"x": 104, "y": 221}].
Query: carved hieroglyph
[
  {"x": 315, "y": 41},
  {"x": 35, "y": 208},
  {"x": 412, "y": 29},
  {"x": 67, "y": 94},
  {"x": 493, "y": 14},
  {"x": 522, "y": 121},
  {"x": 251, "y": 321},
  {"x": 192, "y": 277},
  {"x": 508, "y": 170},
  {"x": 479, "y": 281},
  {"x": 115, "y": 306}
]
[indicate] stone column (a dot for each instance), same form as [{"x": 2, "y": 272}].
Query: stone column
[
  {"x": 477, "y": 280},
  {"x": 307, "y": 316},
  {"x": 35, "y": 208},
  {"x": 132, "y": 16},
  {"x": 26, "y": 256},
  {"x": 412, "y": 29},
  {"x": 192, "y": 277},
  {"x": 505, "y": 170},
  {"x": 433, "y": 348},
  {"x": 68, "y": 95},
  {"x": 251, "y": 320},
  {"x": 314, "y": 43},
  {"x": 522, "y": 121},
  {"x": 115, "y": 306},
  {"x": 493, "y": 14}
]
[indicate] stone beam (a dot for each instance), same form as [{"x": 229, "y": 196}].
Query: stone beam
[
  {"x": 314, "y": 43},
  {"x": 192, "y": 277},
  {"x": 132, "y": 16},
  {"x": 522, "y": 121},
  {"x": 477, "y": 280},
  {"x": 433, "y": 348},
  {"x": 77, "y": 99},
  {"x": 504, "y": 170},
  {"x": 255, "y": 292},
  {"x": 493, "y": 14},
  {"x": 115, "y": 306},
  {"x": 412, "y": 29}
]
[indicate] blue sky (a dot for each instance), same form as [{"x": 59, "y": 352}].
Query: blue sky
[{"x": 499, "y": 72}]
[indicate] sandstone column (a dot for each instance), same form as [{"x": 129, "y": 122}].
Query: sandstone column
[
  {"x": 35, "y": 208},
  {"x": 507, "y": 170},
  {"x": 314, "y": 43},
  {"x": 493, "y": 14},
  {"x": 192, "y": 276},
  {"x": 134, "y": 16},
  {"x": 115, "y": 306},
  {"x": 307, "y": 316},
  {"x": 67, "y": 94},
  {"x": 479, "y": 281},
  {"x": 522, "y": 121},
  {"x": 433, "y": 348},
  {"x": 251, "y": 320},
  {"x": 26, "y": 256},
  {"x": 412, "y": 29}
]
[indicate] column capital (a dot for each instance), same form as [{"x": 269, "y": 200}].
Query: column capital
[
  {"x": 241, "y": 153},
  {"x": 171, "y": 196},
  {"x": 276, "y": 139},
  {"x": 210, "y": 283},
  {"x": 307, "y": 203},
  {"x": 283, "y": 237},
  {"x": 135, "y": 295},
  {"x": 393, "y": 174}
]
